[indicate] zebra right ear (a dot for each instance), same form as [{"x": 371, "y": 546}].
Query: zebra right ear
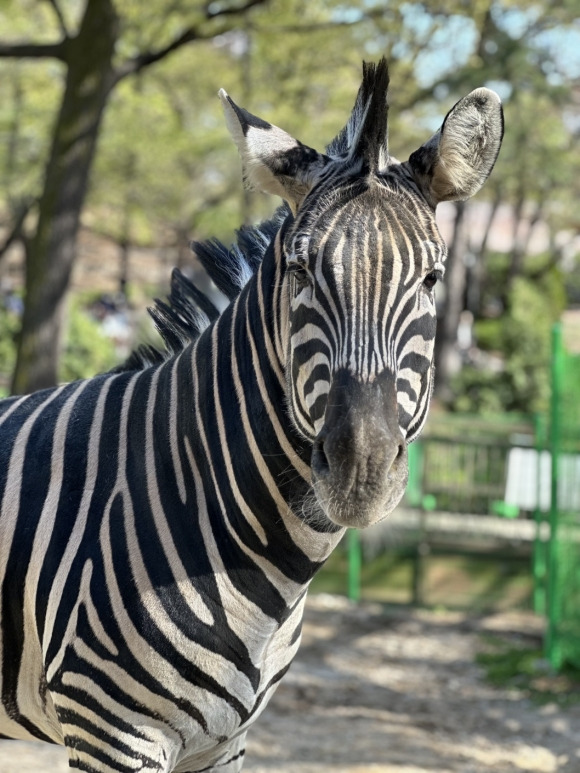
[
  {"x": 458, "y": 159},
  {"x": 273, "y": 161}
]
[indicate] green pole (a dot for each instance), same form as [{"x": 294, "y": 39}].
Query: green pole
[
  {"x": 414, "y": 492},
  {"x": 415, "y": 498},
  {"x": 354, "y": 564},
  {"x": 553, "y": 644}
]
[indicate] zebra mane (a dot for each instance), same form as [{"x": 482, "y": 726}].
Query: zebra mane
[
  {"x": 188, "y": 311},
  {"x": 365, "y": 135}
]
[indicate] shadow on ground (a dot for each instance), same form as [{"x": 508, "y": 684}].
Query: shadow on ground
[{"x": 392, "y": 691}]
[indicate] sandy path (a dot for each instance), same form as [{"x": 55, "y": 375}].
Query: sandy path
[{"x": 396, "y": 693}]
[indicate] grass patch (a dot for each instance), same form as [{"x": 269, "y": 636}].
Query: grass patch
[
  {"x": 385, "y": 578},
  {"x": 477, "y": 583},
  {"x": 525, "y": 668}
]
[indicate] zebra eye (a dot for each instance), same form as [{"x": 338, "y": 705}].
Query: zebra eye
[
  {"x": 299, "y": 274},
  {"x": 431, "y": 280}
]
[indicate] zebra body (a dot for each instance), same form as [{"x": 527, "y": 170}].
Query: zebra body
[
  {"x": 159, "y": 526},
  {"x": 179, "y": 590}
]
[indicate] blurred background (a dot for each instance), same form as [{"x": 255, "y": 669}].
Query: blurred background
[{"x": 114, "y": 155}]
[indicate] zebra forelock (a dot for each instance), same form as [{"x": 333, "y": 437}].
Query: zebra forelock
[{"x": 364, "y": 138}]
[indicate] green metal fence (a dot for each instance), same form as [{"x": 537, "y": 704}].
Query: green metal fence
[
  {"x": 463, "y": 461},
  {"x": 563, "y": 560},
  {"x": 462, "y": 469},
  {"x": 456, "y": 496}
]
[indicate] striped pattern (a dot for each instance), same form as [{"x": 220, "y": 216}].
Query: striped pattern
[
  {"x": 141, "y": 554},
  {"x": 368, "y": 255},
  {"x": 160, "y": 525}
]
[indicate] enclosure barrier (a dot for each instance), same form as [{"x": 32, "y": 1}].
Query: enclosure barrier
[
  {"x": 505, "y": 480},
  {"x": 468, "y": 492},
  {"x": 563, "y": 560}
]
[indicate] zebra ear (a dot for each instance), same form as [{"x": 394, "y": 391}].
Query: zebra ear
[
  {"x": 273, "y": 161},
  {"x": 457, "y": 160}
]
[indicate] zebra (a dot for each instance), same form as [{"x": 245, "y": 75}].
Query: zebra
[{"x": 160, "y": 523}]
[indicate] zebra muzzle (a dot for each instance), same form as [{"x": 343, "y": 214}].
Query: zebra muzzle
[{"x": 359, "y": 458}]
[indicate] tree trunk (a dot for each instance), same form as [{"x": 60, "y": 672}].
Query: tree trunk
[
  {"x": 447, "y": 362},
  {"x": 52, "y": 250}
]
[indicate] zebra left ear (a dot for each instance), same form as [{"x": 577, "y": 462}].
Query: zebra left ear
[
  {"x": 273, "y": 161},
  {"x": 458, "y": 159}
]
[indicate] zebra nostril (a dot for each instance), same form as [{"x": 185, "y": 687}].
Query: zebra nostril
[
  {"x": 319, "y": 461},
  {"x": 400, "y": 450}
]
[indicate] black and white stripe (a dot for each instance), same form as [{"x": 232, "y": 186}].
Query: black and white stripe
[{"x": 159, "y": 525}]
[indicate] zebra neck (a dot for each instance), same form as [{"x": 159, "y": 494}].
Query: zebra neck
[{"x": 253, "y": 465}]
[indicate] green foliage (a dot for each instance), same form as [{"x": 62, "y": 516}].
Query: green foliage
[
  {"x": 522, "y": 338},
  {"x": 88, "y": 351},
  {"x": 524, "y": 668},
  {"x": 518, "y": 340},
  {"x": 572, "y": 283},
  {"x": 474, "y": 582},
  {"x": 164, "y": 151},
  {"x": 526, "y": 346},
  {"x": 9, "y": 326},
  {"x": 480, "y": 391},
  {"x": 166, "y": 171}
]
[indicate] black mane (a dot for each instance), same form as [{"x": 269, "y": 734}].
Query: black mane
[
  {"x": 365, "y": 135},
  {"x": 188, "y": 311}
]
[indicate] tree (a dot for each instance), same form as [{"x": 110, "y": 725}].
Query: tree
[
  {"x": 50, "y": 254},
  {"x": 91, "y": 76},
  {"x": 515, "y": 48},
  {"x": 165, "y": 172}
]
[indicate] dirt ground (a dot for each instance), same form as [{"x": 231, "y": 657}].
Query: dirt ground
[{"x": 394, "y": 692}]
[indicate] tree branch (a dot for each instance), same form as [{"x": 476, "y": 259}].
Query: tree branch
[
  {"x": 60, "y": 17},
  {"x": 320, "y": 26},
  {"x": 17, "y": 231},
  {"x": 138, "y": 63},
  {"x": 232, "y": 10},
  {"x": 33, "y": 50},
  {"x": 191, "y": 34}
]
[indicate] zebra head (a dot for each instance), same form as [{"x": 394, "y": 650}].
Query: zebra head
[{"x": 360, "y": 256}]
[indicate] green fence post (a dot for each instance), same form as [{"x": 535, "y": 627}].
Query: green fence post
[
  {"x": 553, "y": 644},
  {"x": 354, "y": 564},
  {"x": 414, "y": 492},
  {"x": 415, "y": 499}
]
